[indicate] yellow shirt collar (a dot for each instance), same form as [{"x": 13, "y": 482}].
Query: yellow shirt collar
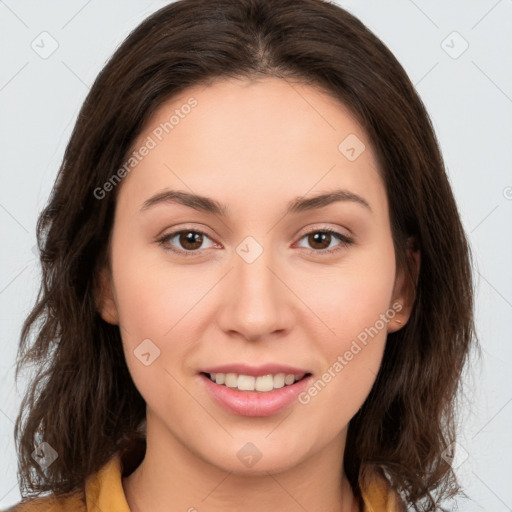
[{"x": 104, "y": 489}]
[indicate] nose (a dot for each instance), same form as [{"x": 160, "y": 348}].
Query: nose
[{"x": 256, "y": 300}]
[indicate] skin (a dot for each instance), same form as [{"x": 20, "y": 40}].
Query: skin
[{"x": 252, "y": 146}]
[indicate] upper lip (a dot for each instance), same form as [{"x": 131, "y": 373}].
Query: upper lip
[{"x": 255, "y": 371}]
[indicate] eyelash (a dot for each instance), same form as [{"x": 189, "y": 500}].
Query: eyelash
[{"x": 345, "y": 241}]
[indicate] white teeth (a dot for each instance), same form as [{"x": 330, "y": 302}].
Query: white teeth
[
  {"x": 279, "y": 380},
  {"x": 231, "y": 380},
  {"x": 289, "y": 379},
  {"x": 263, "y": 383},
  {"x": 246, "y": 383}
]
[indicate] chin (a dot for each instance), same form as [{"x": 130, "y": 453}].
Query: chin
[{"x": 257, "y": 455}]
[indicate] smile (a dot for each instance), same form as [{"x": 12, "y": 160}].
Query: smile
[
  {"x": 263, "y": 384},
  {"x": 253, "y": 402}
]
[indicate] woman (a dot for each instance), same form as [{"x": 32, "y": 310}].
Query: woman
[{"x": 256, "y": 291}]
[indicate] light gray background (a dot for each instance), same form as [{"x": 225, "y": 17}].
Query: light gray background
[{"x": 469, "y": 99}]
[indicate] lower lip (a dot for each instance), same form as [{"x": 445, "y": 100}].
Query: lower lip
[{"x": 254, "y": 403}]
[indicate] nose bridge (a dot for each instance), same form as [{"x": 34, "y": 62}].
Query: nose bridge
[{"x": 256, "y": 301}]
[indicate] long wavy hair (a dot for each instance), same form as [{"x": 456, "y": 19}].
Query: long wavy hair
[{"x": 81, "y": 398}]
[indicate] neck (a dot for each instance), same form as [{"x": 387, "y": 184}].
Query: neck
[{"x": 171, "y": 478}]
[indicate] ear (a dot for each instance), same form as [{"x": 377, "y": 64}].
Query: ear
[
  {"x": 105, "y": 296},
  {"x": 404, "y": 291}
]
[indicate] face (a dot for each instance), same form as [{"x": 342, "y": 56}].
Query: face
[{"x": 310, "y": 288}]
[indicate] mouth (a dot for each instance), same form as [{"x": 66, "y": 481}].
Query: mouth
[
  {"x": 251, "y": 395},
  {"x": 250, "y": 383}
]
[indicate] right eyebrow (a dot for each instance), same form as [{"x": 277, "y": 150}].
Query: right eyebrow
[{"x": 195, "y": 201}]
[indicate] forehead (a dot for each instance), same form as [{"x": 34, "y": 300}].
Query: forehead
[{"x": 264, "y": 137}]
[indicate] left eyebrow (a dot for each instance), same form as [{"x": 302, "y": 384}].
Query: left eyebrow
[
  {"x": 302, "y": 204},
  {"x": 297, "y": 205}
]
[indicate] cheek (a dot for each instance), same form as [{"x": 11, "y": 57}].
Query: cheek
[
  {"x": 153, "y": 296},
  {"x": 351, "y": 361},
  {"x": 150, "y": 311},
  {"x": 354, "y": 302},
  {"x": 351, "y": 296},
  {"x": 151, "y": 302}
]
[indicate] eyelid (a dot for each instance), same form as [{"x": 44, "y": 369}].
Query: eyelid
[{"x": 328, "y": 228}]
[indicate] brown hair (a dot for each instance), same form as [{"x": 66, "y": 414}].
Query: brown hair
[{"x": 82, "y": 400}]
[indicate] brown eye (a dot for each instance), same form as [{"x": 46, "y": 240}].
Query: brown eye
[
  {"x": 190, "y": 240},
  {"x": 186, "y": 242},
  {"x": 320, "y": 241}
]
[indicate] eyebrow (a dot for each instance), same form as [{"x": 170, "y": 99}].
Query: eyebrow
[{"x": 297, "y": 205}]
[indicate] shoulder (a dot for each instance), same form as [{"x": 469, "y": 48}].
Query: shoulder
[{"x": 68, "y": 502}]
